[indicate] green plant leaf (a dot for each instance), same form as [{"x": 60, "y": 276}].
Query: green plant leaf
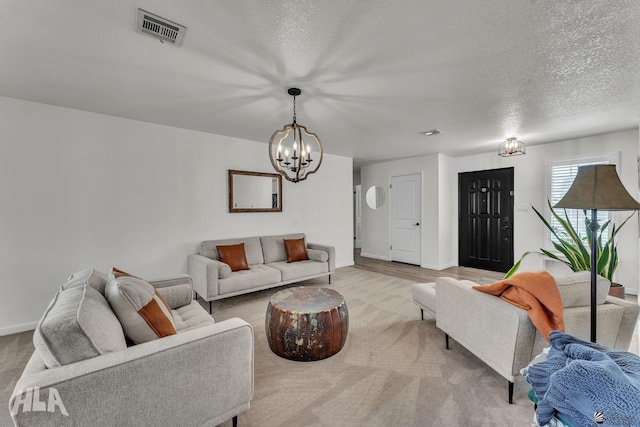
[
  {"x": 556, "y": 258},
  {"x": 515, "y": 267},
  {"x": 603, "y": 262},
  {"x": 576, "y": 244},
  {"x": 575, "y": 250}
]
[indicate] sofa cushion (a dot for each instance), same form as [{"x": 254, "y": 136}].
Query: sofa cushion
[
  {"x": 191, "y": 316},
  {"x": 142, "y": 311},
  {"x": 575, "y": 289},
  {"x": 296, "y": 249},
  {"x": 89, "y": 276},
  {"x": 273, "y": 246},
  {"x": 234, "y": 256},
  {"x": 77, "y": 325},
  {"x": 252, "y": 248},
  {"x": 298, "y": 270},
  {"x": 258, "y": 276}
]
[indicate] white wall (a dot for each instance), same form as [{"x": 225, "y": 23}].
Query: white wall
[
  {"x": 448, "y": 212},
  {"x": 440, "y": 182},
  {"x": 82, "y": 189},
  {"x": 376, "y": 223}
]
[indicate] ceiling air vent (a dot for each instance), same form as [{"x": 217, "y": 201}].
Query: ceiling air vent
[{"x": 159, "y": 28}]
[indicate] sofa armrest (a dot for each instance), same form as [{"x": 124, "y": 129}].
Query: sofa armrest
[
  {"x": 628, "y": 322},
  {"x": 176, "y": 280},
  {"x": 498, "y": 333},
  {"x": 204, "y": 272},
  {"x": 200, "y": 377},
  {"x": 317, "y": 255},
  {"x": 329, "y": 250},
  {"x": 177, "y": 290}
]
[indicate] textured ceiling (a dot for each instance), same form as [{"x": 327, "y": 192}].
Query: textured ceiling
[{"x": 373, "y": 73}]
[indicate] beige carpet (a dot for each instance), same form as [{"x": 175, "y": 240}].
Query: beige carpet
[
  {"x": 15, "y": 351},
  {"x": 392, "y": 371}
]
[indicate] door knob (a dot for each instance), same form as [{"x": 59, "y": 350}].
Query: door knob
[{"x": 417, "y": 223}]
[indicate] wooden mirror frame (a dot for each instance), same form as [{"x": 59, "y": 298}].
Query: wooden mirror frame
[{"x": 233, "y": 196}]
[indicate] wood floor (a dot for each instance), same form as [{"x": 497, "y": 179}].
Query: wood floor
[{"x": 423, "y": 275}]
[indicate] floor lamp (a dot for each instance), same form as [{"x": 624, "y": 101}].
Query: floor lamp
[{"x": 597, "y": 187}]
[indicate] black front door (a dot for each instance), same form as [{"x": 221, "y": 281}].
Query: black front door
[{"x": 485, "y": 222}]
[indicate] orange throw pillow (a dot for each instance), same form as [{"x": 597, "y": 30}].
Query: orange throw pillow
[
  {"x": 296, "y": 250},
  {"x": 119, "y": 273},
  {"x": 233, "y": 256}
]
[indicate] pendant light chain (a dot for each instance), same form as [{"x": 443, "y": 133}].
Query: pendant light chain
[{"x": 294, "y": 109}]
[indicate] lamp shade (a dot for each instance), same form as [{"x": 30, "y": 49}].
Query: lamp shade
[{"x": 598, "y": 187}]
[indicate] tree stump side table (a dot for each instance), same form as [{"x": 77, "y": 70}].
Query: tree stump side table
[{"x": 306, "y": 323}]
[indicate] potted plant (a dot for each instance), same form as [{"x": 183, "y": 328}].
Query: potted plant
[{"x": 573, "y": 249}]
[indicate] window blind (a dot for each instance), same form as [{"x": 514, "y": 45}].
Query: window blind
[{"x": 562, "y": 175}]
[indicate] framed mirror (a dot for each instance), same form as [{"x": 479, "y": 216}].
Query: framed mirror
[
  {"x": 254, "y": 191},
  {"x": 375, "y": 197}
]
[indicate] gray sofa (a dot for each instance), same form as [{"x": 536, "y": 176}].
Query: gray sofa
[
  {"x": 267, "y": 259},
  {"x": 501, "y": 334},
  {"x": 83, "y": 372}
]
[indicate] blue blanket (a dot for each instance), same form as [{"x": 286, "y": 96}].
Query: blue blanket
[{"x": 586, "y": 384}]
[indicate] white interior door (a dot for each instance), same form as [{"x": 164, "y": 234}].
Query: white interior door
[
  {"x": 357, "y": 212},
  {"x": 406, "y": 216}
]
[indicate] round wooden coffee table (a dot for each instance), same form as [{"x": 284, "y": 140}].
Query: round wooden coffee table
[{"x": 307, "y": 323}]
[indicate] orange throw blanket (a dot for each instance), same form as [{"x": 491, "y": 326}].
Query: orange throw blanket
[{"x": 535, "y": 292}]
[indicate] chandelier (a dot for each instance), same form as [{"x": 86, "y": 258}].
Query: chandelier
[
  {"x": 511, "y": 147},
  {"x": 291, "y": 155}
]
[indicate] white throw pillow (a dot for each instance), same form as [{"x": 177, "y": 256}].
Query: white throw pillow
[
  {"x": 575, "y": 289},
  {"x": 142, "y": 311}
]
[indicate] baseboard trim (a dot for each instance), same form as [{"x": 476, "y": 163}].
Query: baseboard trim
[
  {"x": 383, "y": 258},
  {"x": 449, "y": 265},
  {"x": 430, "y": 267},
  {"x": 439, "y": 267},
  {"x": 345, "y": 265},
  {"x": 18, "y": 328}
]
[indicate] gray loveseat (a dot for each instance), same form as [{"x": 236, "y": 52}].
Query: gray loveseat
[
  {"x": 268, "y": 266},
  {"x": 84, "y": 373},
  {"x": 501, "y": 334}
]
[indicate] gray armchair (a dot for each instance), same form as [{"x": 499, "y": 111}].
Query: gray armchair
[{"x": 501, "y": 334}]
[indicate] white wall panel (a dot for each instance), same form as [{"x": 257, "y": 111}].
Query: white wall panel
[{"x": 85, "y": 190}]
